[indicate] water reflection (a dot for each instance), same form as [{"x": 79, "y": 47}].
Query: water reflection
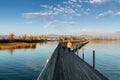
[
  {"x": 25, "y": 64},
  {"x": 47, "y": 42},
  {"x": 32, "y": 46},
  {"x": 43, "y": 43},
  {"x": 107, "y": 57},
  {"x": 11, "y": 51},
  {"x": 103, "y": 41}
]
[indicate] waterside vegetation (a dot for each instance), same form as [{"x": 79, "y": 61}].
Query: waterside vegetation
[
  {"x": 4, "y": 46},
  {"x": 12, "y": 41}
]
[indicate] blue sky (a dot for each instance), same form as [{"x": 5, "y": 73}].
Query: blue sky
[{"x": 36, "y": 17}]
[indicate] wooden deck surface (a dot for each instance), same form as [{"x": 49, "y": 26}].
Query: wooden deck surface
[{"x": 65, "y": 65}]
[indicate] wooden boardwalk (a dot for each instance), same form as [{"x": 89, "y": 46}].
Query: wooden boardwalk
[{"x": 64, "y": 65}]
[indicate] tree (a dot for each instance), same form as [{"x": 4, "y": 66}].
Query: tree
[
  {"x": 34, "y": 37},
  {"x": 61, "y": 38},
  {"x": 10, "y": 36},
  {"x": 31, "y": 38},
  {"x": 71, "y": 38},
  {"x": 40, "y": 37},
  {"x": 24, "y": 37}
]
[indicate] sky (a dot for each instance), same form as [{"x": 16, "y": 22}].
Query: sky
[{"x": 63, "y": 17}]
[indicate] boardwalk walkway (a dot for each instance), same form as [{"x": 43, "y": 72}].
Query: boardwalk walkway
[{"x": 64, "y": 65}]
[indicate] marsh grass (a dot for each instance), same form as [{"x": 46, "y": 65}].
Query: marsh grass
[{"x": 16, "y": 45}]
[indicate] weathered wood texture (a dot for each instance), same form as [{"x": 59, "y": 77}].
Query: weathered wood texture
[{"x": 65, "y": 65}]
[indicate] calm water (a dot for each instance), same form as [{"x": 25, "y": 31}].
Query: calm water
[
  {"x": 26, "y": 64},
  {"x": 107, "y": 58}
]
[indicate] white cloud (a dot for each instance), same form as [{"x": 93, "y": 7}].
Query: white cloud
[
  {"x": 73, "y": 3},
  {"x": 98, "y": 1},
  {"x": 107, "y": 13},
  {"x": 37, "y": 14},
  {"x": 78, "y": 14},
  {"x": 71, "y": 8},
  {"x": 56, "y": 23},
  {"x": 66, "y": 10},
  {"x": 73, "y": 0},
  {"x": 117, "y": 14},
  {"x": 43, "y": 15},
  {"x": 78, "y": 5},
  {"x": 93, "y": 1},
  {"x": 50, "y": 24},
  {"x": 63, "y": 10},
  {"x": 44, "y": 6},
  {"x": 101, "y": 1},
  {"x": 87, "y": 1}
]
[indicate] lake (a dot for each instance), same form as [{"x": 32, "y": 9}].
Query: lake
[
  {"x": 107, "y": 55},
  {"x": 26, "y": 64}
]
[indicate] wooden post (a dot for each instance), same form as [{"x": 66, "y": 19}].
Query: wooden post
[
  {"x": 77, "y": 49},
  {"x": 73, "y": 49},
  {"x": 83, "y": 53},
  {"x": 93, "y": 59}
]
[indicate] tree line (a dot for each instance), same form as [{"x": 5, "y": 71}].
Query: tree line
[
  {"x": 29, "y": 38},
  {"x": 23, "y": 38}
]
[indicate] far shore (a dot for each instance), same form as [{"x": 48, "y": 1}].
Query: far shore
[{"x": 31, "y": 43}]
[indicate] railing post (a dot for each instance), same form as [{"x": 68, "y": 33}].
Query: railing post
[
  {"x": 77, "y": 49},
  {"x": 83, "y": 53},
  {"x": 73, "y": 49},
  {"x": 93, "y": 59}
]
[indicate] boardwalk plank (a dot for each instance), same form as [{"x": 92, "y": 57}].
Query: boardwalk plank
[{"x": 65, "y": 65}]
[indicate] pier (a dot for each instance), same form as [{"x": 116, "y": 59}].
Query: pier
[{"x": 65, "y": 65}]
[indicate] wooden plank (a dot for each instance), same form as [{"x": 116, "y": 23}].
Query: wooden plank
[
  {"x": 65, "y": 65},
  {"x": 48, "y": 71}
]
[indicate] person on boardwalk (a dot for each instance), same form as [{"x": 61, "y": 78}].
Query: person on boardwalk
[
  {"x": 62, "y": 40},
  {"x": 69, "y": 45},
  {"x": 63, "y": 44}
]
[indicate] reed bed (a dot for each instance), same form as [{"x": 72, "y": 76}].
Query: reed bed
[{"x": 16, "y": 45}]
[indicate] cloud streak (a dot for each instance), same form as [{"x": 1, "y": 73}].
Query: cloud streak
[
  {"x": 43, "y": 15},
  {"x": 108, "y": 13},
  {"x": 56, "y": 23},
  {"x": 117, "y": 14},
  {"x": 86, "y": 1},
  {"x": 52, "y": 12},
  {"x": 71, "y": 8},
  {"x": 98, "y": 1}
]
